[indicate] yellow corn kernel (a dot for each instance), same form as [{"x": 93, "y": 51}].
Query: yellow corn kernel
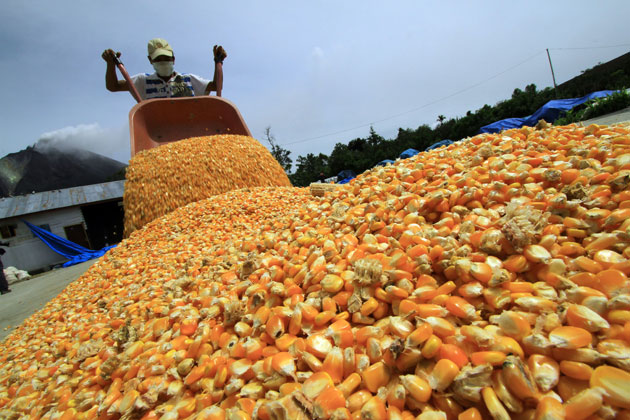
[
  {"x": 570, "y": 337},
  {"x": 417, "y": 387},
  {"x": 576, "y": 370},
  {"x": 614, "y": 382},
  {"x": 443, "y": 374},
  {"x": 494, "y": 406},
  {"x": 431, "y": 347},
  {"x": 584, "y": 404}
]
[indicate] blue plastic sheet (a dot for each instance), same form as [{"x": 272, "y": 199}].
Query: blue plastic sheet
[
  {"x": 440, "y": 144},
  {"x": 74, "y": 252},
  {"x": 384, "y": 162},
  {"x": 409, "y": 153},
  {"x": 346, "y": 173},
  {"x": 548, "y": 112},
  {"x": 345, "y": 176}
]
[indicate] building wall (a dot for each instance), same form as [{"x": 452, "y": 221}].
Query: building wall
[{"x": 28, "y": 252}]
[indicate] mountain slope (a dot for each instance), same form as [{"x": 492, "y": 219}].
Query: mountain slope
[{"x": 44, "y": 167}]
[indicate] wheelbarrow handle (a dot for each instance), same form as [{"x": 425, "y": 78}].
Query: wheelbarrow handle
[{"x": 132, "y": 87}]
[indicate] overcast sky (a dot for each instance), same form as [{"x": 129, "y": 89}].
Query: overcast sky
[{"x": 318, "y": 73}]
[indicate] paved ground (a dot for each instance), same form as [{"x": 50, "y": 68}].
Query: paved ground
[
  {"x": 27, "y": 297},
  {"x": 615, "y": 117}
]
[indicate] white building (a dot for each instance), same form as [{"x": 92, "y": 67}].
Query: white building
[{"x": 90, "y": 215}]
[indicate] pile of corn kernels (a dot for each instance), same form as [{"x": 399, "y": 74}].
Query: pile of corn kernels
[
  {"x": 487, "y": 279},
  {"x": 168, "y": 177}
]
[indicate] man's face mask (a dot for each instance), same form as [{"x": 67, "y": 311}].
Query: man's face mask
[{"x": 163, "y": 68}]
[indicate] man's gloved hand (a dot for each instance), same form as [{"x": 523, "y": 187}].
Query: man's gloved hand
[
  {"x": 109, "y": 55},
  {"x": 219, "y": 54}
]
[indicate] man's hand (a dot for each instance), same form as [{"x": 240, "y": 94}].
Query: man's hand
[
  {"x": 111, "y": 80},
  {"x": 109, "y": 55},
  {"x": 219, "y": 54}
]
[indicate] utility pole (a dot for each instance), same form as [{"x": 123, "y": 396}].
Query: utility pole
[{"x": 555, "y": 87}]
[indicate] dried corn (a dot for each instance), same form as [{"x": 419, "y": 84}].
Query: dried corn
[{"x": 448, "y": 285}]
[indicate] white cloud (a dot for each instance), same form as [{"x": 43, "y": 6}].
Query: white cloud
[
  {"x": 306, "y": 70},
  {"x": 110, "y": 142},
  {"x": 70, "y": 134}
]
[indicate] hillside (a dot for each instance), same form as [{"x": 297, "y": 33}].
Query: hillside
[
  {"x": 614, "y": 74},
  {"x": 44, "y": 167}
]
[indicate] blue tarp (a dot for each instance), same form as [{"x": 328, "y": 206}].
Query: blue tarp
[
  {"x": 346, "y": 173},
  {"x": 440, "y": 144},
  {"x": 345, "y": 176},
  {"x": 548, "y": 112},
  {"x": 409, "y": 153},
  {"x": 384, "y": 162},
  {"x": 74, "y": 252}
]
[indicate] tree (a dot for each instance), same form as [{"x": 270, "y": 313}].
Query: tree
[
  {"x": 281, "y": 154},
  {"x": 361, "y": 154},
  {"x": 357, "y": 144},
  {"x": 374, "y": 139},
  {"x": 308, "y": 169}
]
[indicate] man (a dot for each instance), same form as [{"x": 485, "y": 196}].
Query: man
[
  {"x": 4, "y": 284},
  {"x": 165, "y": 82}
]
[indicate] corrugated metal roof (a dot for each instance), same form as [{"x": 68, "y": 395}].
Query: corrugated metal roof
[{"x": 67, "y": 197}]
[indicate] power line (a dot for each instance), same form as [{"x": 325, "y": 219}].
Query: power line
[
  {"x": 420, "y": 107},
  {"x": 591, "y": 48},
  {"x": 448, "y": 96}
]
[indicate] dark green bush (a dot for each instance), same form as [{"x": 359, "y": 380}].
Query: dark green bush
[{"x": 596, "y": 107}]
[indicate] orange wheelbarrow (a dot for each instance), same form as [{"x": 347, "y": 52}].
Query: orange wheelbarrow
[{"x": 153, "y": 122}]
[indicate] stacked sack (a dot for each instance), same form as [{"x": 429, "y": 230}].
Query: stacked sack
[{"x": 14, "y": 275}]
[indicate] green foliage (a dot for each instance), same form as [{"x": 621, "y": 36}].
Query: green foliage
[
  {"x": 613, "y": 75},
  {"x": 361, "y": 154},
  {"x": 596, "y": 107},
  {"x": 308, "y": 169},
  {"x": 281, "y": 155}
]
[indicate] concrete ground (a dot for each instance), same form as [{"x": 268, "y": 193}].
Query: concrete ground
[
  {"x": 614, "y": 118},
  {"x": 27, "y": 297}
]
